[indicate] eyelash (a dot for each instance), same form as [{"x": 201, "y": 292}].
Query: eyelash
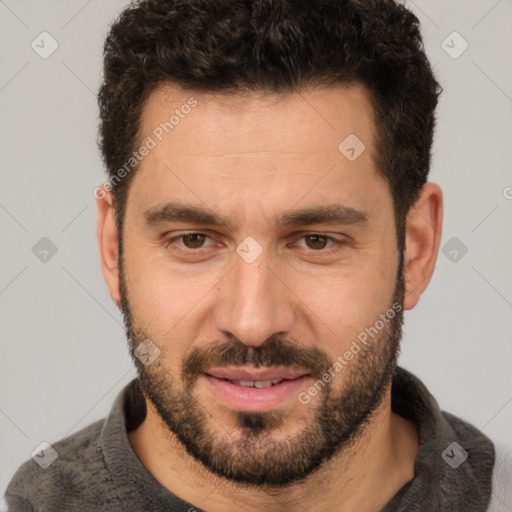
[{"x": 334, "y": 248}]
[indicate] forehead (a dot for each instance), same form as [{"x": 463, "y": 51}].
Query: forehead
[
  {"x": 256, "y": 147},
  {"x": 259, "y": 121}
]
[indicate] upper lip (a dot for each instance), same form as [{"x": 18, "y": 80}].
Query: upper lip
[{"x": 246, "y": 374}]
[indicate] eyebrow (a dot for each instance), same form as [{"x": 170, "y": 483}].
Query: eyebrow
[{"x": 193, "y": 214}]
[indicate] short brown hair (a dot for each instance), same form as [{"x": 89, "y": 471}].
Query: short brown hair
[{"x": 277, "y": 46}]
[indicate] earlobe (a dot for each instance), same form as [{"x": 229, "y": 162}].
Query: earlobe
[
  {"x": 108, "y": 242},
  {"x": 423, "y": 237}
]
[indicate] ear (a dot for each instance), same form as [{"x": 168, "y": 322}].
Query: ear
[
  {"x": 423, "y": 236},
  {"x": 108, "y": 241}
]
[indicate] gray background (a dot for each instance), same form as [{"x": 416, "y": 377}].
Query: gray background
[{"x": 63, "y": 352}]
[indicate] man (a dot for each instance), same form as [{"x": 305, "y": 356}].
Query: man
[{"x": 266, "y": 222}]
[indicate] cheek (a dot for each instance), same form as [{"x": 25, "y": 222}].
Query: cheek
[
  {"x": 162, "y": 295},
  {"x": 169, "y": 308},
  {"x": 347, "y": 301}
]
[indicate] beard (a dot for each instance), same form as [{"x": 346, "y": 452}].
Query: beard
[{"x": 258, "y": 452}]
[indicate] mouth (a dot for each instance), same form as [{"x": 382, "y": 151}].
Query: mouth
[
  {"x": 260, "y": 384},
  {"x": 255, "y": 390}
]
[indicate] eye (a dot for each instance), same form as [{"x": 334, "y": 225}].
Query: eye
[
  {"x": 318, "y": 242},
  {"x": 189, "y": 240},
  {"x": 195, "y": 241}
]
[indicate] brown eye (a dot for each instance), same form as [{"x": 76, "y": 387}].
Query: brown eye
[
  {"x": 316, "y": 241},
  {"x": 194, "y": 240}
]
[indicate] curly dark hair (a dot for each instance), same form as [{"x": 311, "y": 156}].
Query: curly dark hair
[{"x": 281, "y": 46}]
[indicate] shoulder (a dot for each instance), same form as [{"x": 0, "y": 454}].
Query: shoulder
[
  {"x": 502, "y": 480},
  {"x": 76, "y": 468},
  {"x": 455, "y": 461},
  {"x": 469, "y": 459},
  {"x": 479, "y": 448}
]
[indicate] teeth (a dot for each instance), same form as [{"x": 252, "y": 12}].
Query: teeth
[
  {"x": 263, "y": 384},
  {"x": 257, "y": 383}
]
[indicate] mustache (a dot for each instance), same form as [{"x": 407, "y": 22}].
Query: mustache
[{"x": 273, "y": 352}]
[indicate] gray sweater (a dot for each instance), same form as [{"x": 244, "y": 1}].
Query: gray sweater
[{"x": 97, "y": 469}]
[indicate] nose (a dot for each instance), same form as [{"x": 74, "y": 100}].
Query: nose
[{"x": 253, "y": 303}]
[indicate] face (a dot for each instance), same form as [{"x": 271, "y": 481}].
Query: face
[{"x": 260, "y": 262}]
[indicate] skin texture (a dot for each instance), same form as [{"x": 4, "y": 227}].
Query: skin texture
[{"x": 251, "y": 158}]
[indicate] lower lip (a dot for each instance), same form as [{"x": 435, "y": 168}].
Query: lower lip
[{"x": 254, "y": 399}]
